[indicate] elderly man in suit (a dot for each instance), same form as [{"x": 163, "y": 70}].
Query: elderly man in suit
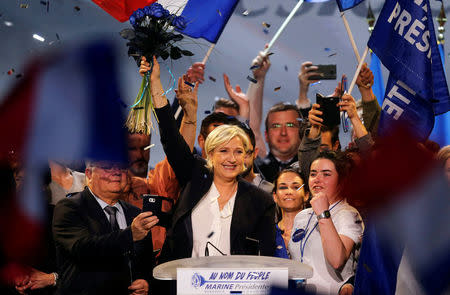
[{"x": 103, "y": 244}]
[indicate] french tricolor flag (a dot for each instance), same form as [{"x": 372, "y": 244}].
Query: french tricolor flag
[
  {"x": 205, "y": 18},
  {"x": 65, "y": 107}
]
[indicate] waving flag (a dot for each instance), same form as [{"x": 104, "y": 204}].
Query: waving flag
[
  {"x": 205, "y": 19},
  {"x": 122, "y": 9},
  {"x": 378, "y": 82},
  {"x": 347, "y": 4},
  {"x": 405, "y": 41},
  {"x": 65, "y": 108}
]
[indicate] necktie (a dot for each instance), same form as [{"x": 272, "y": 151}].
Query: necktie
[{"x": 112, "y": 217}]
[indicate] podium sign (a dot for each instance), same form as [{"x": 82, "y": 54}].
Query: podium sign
[{"x": 230, "y": 280}]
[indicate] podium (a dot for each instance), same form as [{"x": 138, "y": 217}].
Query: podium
[
  {"x": 296, "y": 269},
  {"x": 235, "y": 274}
]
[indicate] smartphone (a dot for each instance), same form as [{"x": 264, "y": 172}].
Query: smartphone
[
  {"x": 327, "y": 72},
  {"x": 329, "y": 109},
  {"x": 154, "y": 203}
]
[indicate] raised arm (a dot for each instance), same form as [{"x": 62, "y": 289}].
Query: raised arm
[
  {"x": 371, "y": 107},
  {"x": 303, "y": 102},
  {"x": 238, "y": 97},
  {"x": 177, "y": 150},
  {"x": 255, "y": 94},
  {"x": 188, "y": 102}
]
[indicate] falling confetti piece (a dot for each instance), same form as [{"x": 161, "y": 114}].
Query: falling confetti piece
[
  {"x": 327, "y": 49},
  {"x": 11, "y": 71},
  {"x": 266, "y": 25},
  {"x": 77, "y": 8},
  {"x": 245, "y": 13},
  {"x": 270, "y": 53},
  {"x": 266, "y": 31},
  {"x": 8, "y": 24},
  {"x": 210, "y": 235},
  {"x": 251, "y": 79},
  {"x": 43, "y": 2},
  {"x": 190, "y": 84},
  {"x": 254, "y": 67},
  {"x": 149, "y": 147},
  {"x": 286, "y": 68},
  {"x": 312, "y": 84},
  {"x": 212, "y": 79},
  {"x": 57, "y": 37},
  {"x": 218, "y": 11},
  {"x": 207, "y": 112},
  {"x": 277, "y": 88},
  {"x": 39, "y": 38},
  {"x": 333, "y": 54},
  {"x": 24, "y": 5}
]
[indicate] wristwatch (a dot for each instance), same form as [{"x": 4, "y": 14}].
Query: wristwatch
[{"x": 325, "y": 215}]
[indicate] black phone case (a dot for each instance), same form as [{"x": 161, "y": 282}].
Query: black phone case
[
  {"x": 329, "y": 108},
  {"x": 328, "y": 72},
  {"x": 153, "y": 203}
]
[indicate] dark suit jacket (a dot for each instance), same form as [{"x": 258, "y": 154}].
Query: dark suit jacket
[
  {"x": 91, "y": 258},
  {"x": 254, "y": 209}
]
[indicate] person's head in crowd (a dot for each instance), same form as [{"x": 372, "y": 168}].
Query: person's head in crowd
[
  {"x": 252, "y": 151},
  {"x": 283, "y": 130},
  {"x": 138, "y": 156},
  {"x": 226, "y": 106},
  {"x": 210, "y": 123},
  {"x": 107, "y": 180},
  {"x": 290, "y": 191},
  {"x": 330, "y": 139},
  {"x": 327, "y": 175},
  {"x": 432, "y": 146},
  {"x": 226, "y": 147},
  {"x": 444, "y": 157}
]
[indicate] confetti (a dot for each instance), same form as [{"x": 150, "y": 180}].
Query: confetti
[
  {"x": 149, "y": 147},
  {"x": 327, "y": 49},
  {"x": 207, "y": 112},
  {"x": 245, "y": 13},
  {"x": 286, "y": 68},
  {"x": 43, "y": 2},
  {"x": 270, "y": 53},
  {"x": 24, "y": 5},
  {"x": 190, "y": 84},
  {"x": 333, "y": 54},
  {"x": 8, "y": 24},
  {"x": 210, "y": 235},
  {"x": 39, "y": 38},
  {"x": 212, "y": 79},
  {"x": 57, "y": 37},
  {"x": 218, "y": 11},
  {"x": 312, "y": 84},
  {"x": 277, "y": 88},
  {"x": 266, "y": 31},
  {"x": 138, "y": 108},
  {"x": 251, "y": 79},
  {"x": 10, "y": 71},
  {"x": 266, "y": 25},
  {"x": 77, "y": 8},
  {"x": 254, "y": 67}
]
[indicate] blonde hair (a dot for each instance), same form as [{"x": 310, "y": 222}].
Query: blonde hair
[{"x": 222, "y": 135}]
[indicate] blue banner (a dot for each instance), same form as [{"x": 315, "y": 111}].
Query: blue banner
[
  {"x": 207, "y": 19},
  {"x": 347, "y": 4},
  {"x": 405, "y": 42},
  {"x": 378, "y": 82}
]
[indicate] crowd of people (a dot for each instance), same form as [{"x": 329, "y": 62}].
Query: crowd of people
[{"x": 230, "y": 191}]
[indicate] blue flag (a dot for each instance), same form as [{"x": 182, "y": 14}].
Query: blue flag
[
  {"x": 378, "y": 82},
  {"x": 207, "y": 19},
  {"x": 347, "y": 4},
  {"x": 405, "y": 41}
]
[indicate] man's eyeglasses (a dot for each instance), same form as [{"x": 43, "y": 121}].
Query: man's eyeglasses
[
  {"x": 110, "y": 167},
  {"x": 287, "y": 125}
]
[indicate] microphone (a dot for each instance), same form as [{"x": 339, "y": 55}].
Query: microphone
[
  {"x": 207, "y": 250},
  {"x": 257, "y": 244}
]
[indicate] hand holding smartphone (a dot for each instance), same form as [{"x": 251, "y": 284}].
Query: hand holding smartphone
[
  {"x": 326, "y": 72},
  {"x": 153, "y": 203}
]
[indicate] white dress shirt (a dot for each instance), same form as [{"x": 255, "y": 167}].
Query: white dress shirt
[
  {"x": 210, "y": 224},
  {"x": 120, "y": 214}
]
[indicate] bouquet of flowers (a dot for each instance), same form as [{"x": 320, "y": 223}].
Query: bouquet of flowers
[{"x": 153, "y": 34}]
